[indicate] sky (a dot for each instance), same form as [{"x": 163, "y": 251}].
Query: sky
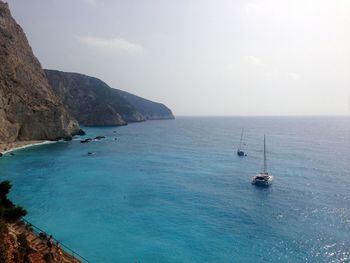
[{"x": 202, "y": 57}]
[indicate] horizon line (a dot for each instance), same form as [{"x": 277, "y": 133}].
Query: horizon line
[{"x": 306, "y": 115}]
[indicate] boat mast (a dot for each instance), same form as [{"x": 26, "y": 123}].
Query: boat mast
[
  {"x": 265, "y": 167},
  {"x": 240, "y": 142}
]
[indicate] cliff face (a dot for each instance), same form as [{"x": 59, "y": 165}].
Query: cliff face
[
  {"x": 29, "y": 109},
  {"x": 149, "y": 109},
  {"x": 93, "y": 102},
  {"x": 90, "y": 100}
]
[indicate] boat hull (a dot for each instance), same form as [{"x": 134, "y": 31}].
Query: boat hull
[
  {"x": 262, "y": 180},
  {"x": 240, "y": 153}
]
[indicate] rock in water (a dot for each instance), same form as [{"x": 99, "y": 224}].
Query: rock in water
[
  {"x": 86, "y": 140},
  {"x": 29, "y": 109},
  {"x": 81, "y": 132}
]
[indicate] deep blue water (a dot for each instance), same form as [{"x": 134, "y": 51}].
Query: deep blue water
[{"x": 175, "y": 191}]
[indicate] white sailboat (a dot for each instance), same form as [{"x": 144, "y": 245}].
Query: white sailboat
[
  {"x": 240, "y": 152},
  {"x": 263, "y": 178}
]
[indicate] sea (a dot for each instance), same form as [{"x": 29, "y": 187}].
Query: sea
[{"x": 176, "y": 191}]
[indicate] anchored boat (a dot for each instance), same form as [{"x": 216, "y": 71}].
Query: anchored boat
[
  {"x": 263, "y": 178},
  {"x": 240, "y": 152}
]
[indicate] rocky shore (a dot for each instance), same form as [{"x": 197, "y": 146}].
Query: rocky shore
[{"x": 24, "y": 245}]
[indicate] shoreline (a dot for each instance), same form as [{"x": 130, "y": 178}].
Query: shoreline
[{"x": 15, "y": 146}]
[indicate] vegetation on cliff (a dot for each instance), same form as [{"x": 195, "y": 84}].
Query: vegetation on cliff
[
  {"x": 9, "y": 213},
  {"x": 92, "y": 102}
]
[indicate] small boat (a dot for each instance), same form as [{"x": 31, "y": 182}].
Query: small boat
[
  {"x": 239, "y": 151},
  {"x": 263, "y": 178}
]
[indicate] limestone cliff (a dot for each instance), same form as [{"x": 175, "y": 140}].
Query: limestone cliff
[
  {"x": 93, "y": 102},
  {"x": 29, "y": 109},
  {"x": 149, "y": 109},
  {"x": 90, "y": 100}
]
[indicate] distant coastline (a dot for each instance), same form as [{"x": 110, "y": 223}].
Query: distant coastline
[{"x": 14, "y": 146}]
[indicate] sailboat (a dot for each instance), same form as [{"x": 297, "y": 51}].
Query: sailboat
[
  {"x": 239, "y": 151},
  {"x": 263, "y": 178}
]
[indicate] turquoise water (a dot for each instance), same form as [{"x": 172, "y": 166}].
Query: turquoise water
[{"x": 175, "y": 191}]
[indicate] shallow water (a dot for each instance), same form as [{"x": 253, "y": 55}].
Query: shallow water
[{"x": 175, "y": 191}]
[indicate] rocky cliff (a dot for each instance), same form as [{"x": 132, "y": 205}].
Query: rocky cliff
[
  {"x": 149, "y": 109},
  {"x": 90, "y": 100},
  {"x": 29, "y": 109},
  {"x": 93, "y": 102}
]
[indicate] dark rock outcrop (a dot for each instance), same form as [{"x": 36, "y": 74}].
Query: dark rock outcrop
[
  {"x": 86, "y": 140},
  {"x": 29, "y": 109},
  {"x": 93, "y": 102},
  {"x": 81, "y": 132}
]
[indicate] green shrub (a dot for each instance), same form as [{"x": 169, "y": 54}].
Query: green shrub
[
  {"x": 5, "y": 188},
  {"x": 14, "y": 213},
  {"x": 8, "y": 213}
]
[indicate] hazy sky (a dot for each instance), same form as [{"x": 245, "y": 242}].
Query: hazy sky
[{"x": 204, "y": 57}]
